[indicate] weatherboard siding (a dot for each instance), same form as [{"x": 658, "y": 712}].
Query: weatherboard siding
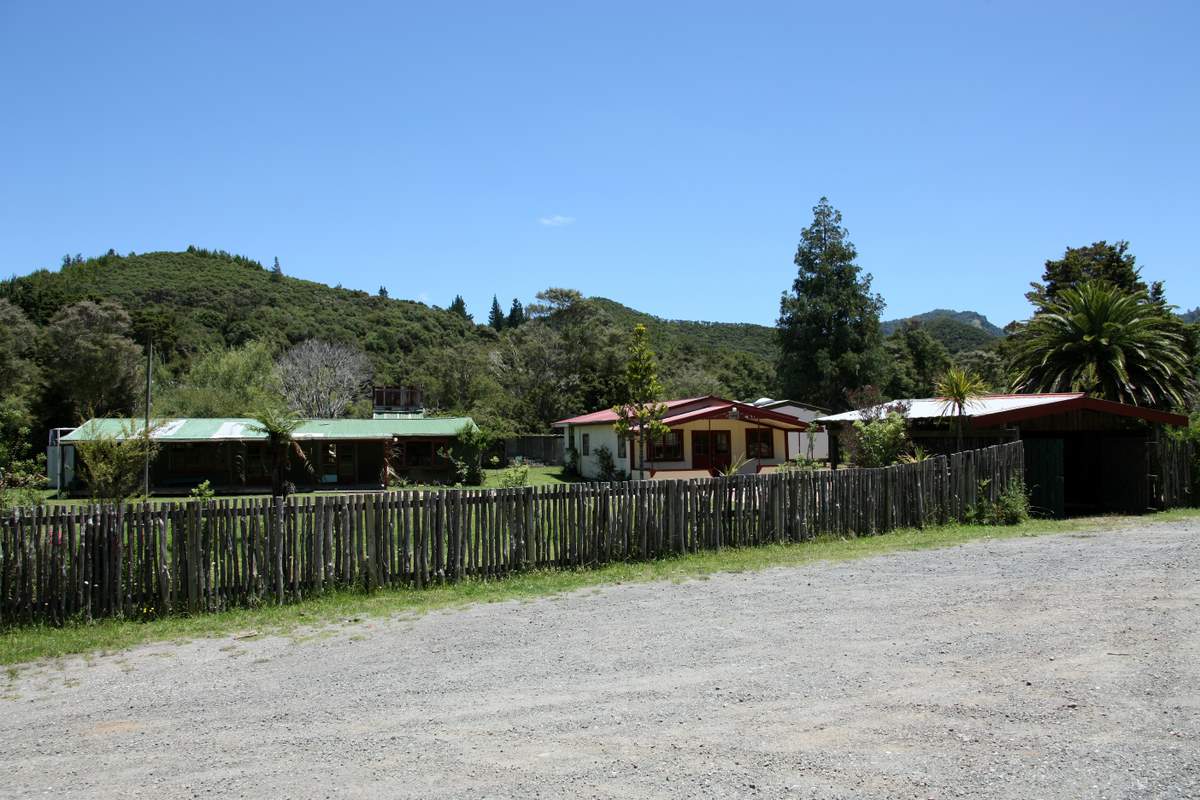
[{"x": 604, "y": 435}]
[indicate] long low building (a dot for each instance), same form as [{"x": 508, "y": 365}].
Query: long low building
[
  {"x": 232, "y": 453},
  {"x": 1082, "y": 454}
]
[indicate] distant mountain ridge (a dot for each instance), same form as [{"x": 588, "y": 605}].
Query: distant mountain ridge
[
  {"x": 958, "y": 331},
  {"x": 971, "y": 318}
]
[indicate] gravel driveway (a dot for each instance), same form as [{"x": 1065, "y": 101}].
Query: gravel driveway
[{"x": 1058, "y": 666}]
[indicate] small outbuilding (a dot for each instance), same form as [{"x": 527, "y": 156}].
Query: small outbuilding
[
  {"x": 1082, "y": 454},
  {"x": 233, "y": 456}
]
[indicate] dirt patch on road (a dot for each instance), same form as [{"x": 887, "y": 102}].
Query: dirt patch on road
[{"x": 1058, "y": 666}]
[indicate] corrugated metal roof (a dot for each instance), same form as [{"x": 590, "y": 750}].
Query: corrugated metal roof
[
  {"x": 1004, "y": 409},
  {"x": 766, "y": 402},
  {"x": 936, "y": 407},
  {"x": 212, "y": 429}
]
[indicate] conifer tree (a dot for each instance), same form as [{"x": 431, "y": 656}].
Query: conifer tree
[
  {"x": 516, "y": 315},
  {"x": 459, "y": 306},
  {"x": 496, "y": 315},
  {"x": 829, "y": 337}
]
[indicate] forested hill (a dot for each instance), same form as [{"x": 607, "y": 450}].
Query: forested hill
[
  {"x": 198, "y": 299},
  {"x": 958, "y": 331},
  {"x": 566, "y": 358},
  {"x": 738, "y": 337}
]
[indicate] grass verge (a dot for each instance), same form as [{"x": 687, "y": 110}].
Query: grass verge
[{"x": 24, "y": 644}]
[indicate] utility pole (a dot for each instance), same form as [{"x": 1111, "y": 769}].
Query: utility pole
[{"x": 146, "y": 432}]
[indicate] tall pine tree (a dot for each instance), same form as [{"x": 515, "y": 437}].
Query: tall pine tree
[
  {"x": 459, "y": 306},
  {"x": 496, "y": 315},
  {"x": 516, "y": 315},
  {"x": 829, "y": 337}
]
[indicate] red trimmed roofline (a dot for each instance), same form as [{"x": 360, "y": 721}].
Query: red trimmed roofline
[
  {"x": 746, "y": 412},
  {"x": 607, "y": 415},
  {"x": 1077, "y": 402}
]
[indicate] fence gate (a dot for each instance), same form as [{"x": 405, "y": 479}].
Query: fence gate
[{"x": 1044, "y": 476}]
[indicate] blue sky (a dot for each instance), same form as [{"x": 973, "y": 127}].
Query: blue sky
[{"x": 664, "y": 155}]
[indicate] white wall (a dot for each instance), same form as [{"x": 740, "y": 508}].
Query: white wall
[
  {"x": 604, "y": 435},
  {"x": 601, "y": 435},
  {"x": 799, "y": 439}
]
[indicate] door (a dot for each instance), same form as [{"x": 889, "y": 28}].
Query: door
[
  {"x": 1044, "y": 476},
  {"x": 710, "y": 450},
  {"x": 345, "y": 463}
]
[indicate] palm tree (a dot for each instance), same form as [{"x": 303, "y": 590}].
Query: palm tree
[
  {"x": 959, "y": 388},
  {"x": 279, "y": 426},
  {"x": 1108, "y": 342}
]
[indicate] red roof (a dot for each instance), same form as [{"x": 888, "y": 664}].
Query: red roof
[
  {"x": 709, "y": 407},
  {"x": 608, "y": 415},
  {"x": 1077, "y": 402},
  {"x": 744, "y": 412}
]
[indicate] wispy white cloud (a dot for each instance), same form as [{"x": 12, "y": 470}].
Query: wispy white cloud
[{"x": 555, "y": 220}]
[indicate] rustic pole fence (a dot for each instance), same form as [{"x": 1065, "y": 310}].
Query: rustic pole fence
[{"x": 136, "y": 560}]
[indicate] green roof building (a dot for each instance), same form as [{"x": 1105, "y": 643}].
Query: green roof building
[{"x": 232, "y": 454}]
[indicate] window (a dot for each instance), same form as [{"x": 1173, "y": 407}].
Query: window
[
  {"x": 760, "y": 443},
  {"x": 587, "y": 444},
  {"x": 419, "y": 454},
  {"x": 621, "y": 451},
  {"x": 668, "y": 447}
]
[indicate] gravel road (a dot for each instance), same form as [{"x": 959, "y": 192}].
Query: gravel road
[{"x": 1058, "y": 666}]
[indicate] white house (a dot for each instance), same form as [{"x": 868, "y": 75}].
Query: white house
[
  {"x": 812, "y": 444},
  {"x": 707, "y": 435}
]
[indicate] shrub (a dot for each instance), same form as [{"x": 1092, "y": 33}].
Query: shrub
[
  {"x": 572, "y": 462},
  {"x": 515, "y": 476},
  {"x": 1011, "y": 507},
  {"x": 917, "y": 455},
  {"x": 878, "y": 442},
  {"x": 800, "y": 464},
  {"x": 467, "y": 454},
  {"x": 607, "y": 466},
  {"x": 18, "y": 497},
  {"x": 113, "y": 465},
  {"x": 202, "y": 491}
]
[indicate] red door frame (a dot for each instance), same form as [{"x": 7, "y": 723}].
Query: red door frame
[{"x": 710, "y": 460}]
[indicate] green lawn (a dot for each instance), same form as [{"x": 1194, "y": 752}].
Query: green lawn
[
  {"x": 538, "y": 476},
  {"x": 24, "y": 644}
]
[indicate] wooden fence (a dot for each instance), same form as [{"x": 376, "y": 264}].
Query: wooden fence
[
  {"x": 1171, "y": 481},
  {"x": 138, "y": 560}
]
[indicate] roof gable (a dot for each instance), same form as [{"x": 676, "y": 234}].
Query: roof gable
[{"x": 610, "y": 416}]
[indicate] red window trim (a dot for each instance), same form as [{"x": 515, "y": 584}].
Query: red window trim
[{"x": 758, "y": 433}]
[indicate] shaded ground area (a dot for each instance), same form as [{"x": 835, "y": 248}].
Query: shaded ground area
[{"x": 1057, "y": 666}]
